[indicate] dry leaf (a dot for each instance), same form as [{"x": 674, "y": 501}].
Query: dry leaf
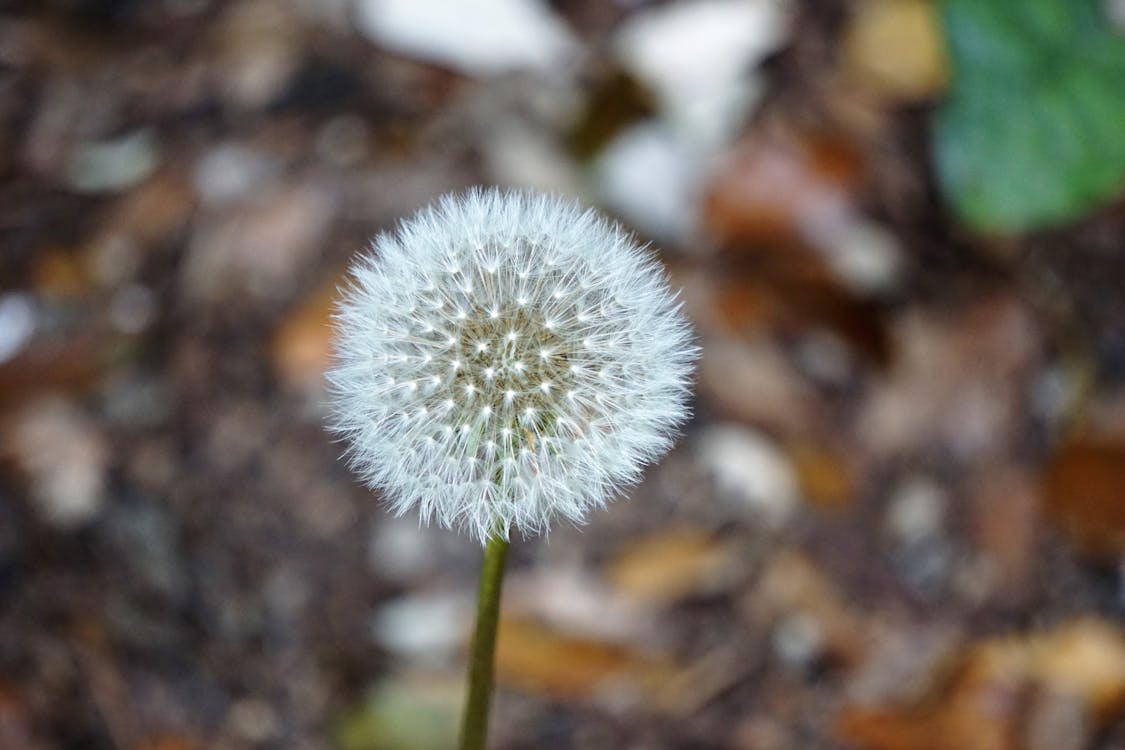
[
  {"x": 154, "y": 210},
  {"x": 825, "y": 479},
  {"x": 58, "y": 274},
  {"x": 1085, "y": 487},
  {"x": 302, "y": 344},
  {"x": 956, "y": 383},
  {"x": 795, "y": 253},
  {"x": 753, "y": 382},
  {"x": 896, "y": 48},
  {"x": 772, "y": 189},
  {"x": 1006, "y": 694},
  {"x": 71, "y": 364},
  {"x": 672, "y": 565},
  {"x": 532, "y": 657},
  {"x": 1006, "y": 518},
  {"x": 792, "y": 590},
  {"x": 261, "y": 248}
]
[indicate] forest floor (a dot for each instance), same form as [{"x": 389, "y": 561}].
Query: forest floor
[{"x": 896, "y": 520}]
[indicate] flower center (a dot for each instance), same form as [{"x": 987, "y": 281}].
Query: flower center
[
  {"x": 512, "y": 364},
  {"x": 499, "y": 381}
]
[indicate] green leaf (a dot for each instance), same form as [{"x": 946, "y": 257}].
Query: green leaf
[
  {"x": 410, "y": 714},
  {"x": 1032, "y": 133}
]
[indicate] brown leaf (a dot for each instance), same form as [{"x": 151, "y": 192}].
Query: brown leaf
[
  {"x": 771, "y": 188},
  {"x": 302, "y": 344},
  {"x": 58, "y": 274},
  {"x": 1006, "y": 518},
  {"x": 1004, "y": 694},
  {"x": 262, "y": 248},
  {"x": 825, "y": 479},
  {"x": 153, "y": 210},
  {"x": 779, "y": 209},
  {"x": 1087, "y": 659},
  {"x": 1085, "y": 485},
  {"x": 957, "y": 381},
  {"x": 71, "y": 364}
]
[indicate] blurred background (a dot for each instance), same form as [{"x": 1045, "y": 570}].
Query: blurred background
[{"x": 896, "y": 522}]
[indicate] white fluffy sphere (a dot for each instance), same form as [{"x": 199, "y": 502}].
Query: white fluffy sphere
[{"x": 505, "y": 359}]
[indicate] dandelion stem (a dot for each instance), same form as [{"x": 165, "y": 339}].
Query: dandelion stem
[{"x": 474, "y": 724}]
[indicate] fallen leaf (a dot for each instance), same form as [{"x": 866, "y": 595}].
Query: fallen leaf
[
  {"x": 896, "y": 48},
  {"x": 771, "y": 188},
  {"x": 1006, "y": 519},
  {"x": 412, "y": 712},
  {"x": 616, "y": 99},
  {"x": 261, "y": 248},
  {"x": 58, "y": 274},
  {"x": 792, "y": 590},
  {"x": 1028, "y": 136},
  {"x": 794, "y": 250},
  {"x": 1004, "y": 695},
  {"x": 957, "y": 381},
  {"x": 672, "y": 565},
  {"x": 73, "y": 363},
  {"x": 825, "y": 478},
  {"x": 302, "y": 344},
  {"x": 753, "y": 382},
  {"x": 154, "y": 210},
  {"x": 1087, "y": 659},
  {"x": 532, "y": 657},
  {"x": 1085, "y": 485}
]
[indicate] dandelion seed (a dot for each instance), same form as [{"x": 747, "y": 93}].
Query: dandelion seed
[{"x": 525, "y": 461}]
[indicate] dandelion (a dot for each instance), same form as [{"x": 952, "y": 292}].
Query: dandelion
[{"x": 504, "y": 360}]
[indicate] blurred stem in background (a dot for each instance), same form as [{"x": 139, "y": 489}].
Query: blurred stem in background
[{"x": 474, "y": 724}]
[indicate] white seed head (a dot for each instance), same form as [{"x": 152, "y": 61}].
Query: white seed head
[{"x": 505, "y": 359}]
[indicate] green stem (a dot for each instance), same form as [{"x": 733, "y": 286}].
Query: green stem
[{"x": 474, "y": 724}]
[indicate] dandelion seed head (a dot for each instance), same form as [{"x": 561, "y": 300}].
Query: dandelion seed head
[{"x": 547, "y": 360}]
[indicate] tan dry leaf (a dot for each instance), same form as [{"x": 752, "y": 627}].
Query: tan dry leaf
[
  {"x": 537, "y": 659},
  {"x": 896, "y": 49},
  {"x": 672, "y": 565},
  {"x": 302, "y": 344},
  {"x": 1086, "y": 658}
]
